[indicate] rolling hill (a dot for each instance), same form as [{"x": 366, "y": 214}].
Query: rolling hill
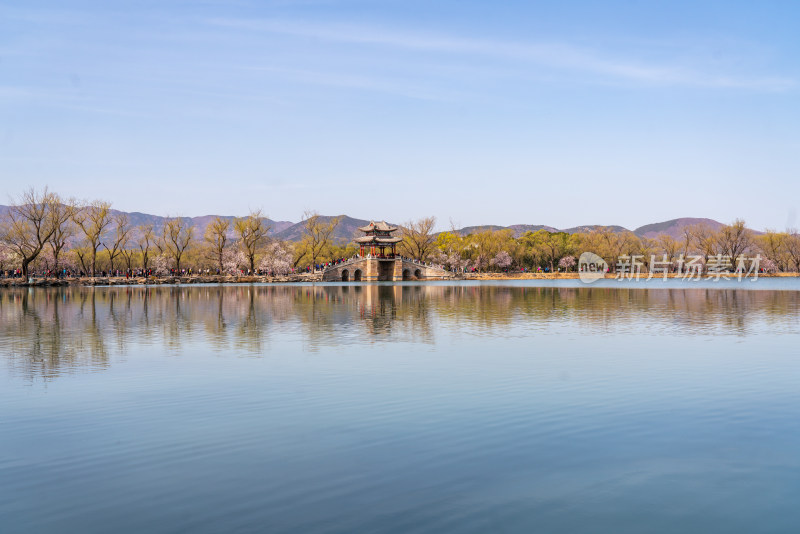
[
  {"x": 674, "y": 227},
  {"x": 347, "y": 229}
]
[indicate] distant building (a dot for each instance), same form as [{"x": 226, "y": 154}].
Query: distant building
[
  {"x": 378, "y": 260},
  {"x": 379, "y": 242}
]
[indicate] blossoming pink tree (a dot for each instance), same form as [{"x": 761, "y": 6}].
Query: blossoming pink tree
[
  {"x": 566, "y": 263},
  {"x": 277, "y": 259},
  {"x": 502, "y": 260}
]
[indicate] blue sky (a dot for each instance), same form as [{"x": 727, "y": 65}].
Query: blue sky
[{"x": 560, "y": 113}]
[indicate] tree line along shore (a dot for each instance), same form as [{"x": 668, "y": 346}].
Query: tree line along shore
[
  {"x": 11, "y": 282},
  {"x": 46, "y": 236}
]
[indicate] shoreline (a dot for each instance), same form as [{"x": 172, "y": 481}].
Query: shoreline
[
  {"x": 301, "y": 278},
  {"x": 608, "y": 276},
  {"x": 163, "y": 280}
]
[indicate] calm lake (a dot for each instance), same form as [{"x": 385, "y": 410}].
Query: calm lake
[{"x": 401, "y": 408}]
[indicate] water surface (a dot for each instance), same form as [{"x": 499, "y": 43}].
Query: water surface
[{"x": 401, "y": 408}]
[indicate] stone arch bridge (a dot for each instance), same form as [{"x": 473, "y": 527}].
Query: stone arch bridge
[{"x": 382, "y": 269}]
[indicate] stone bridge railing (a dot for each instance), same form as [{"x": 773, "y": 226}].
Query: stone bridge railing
[
  {"x": 369, "y": 268},
  {"x": 351, "y": 261}
]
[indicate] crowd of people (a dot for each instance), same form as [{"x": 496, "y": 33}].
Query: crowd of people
[
  {"x": 137, "y": 273},
  {"x": 71, "y": 273},
  {"x": 145, "y": 273}
]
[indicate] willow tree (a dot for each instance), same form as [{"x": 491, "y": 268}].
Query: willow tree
[
  {"x": 93, "y": 220},
  {"x": 734, "y": 239},
  {"x": 252, "y": 233},
  {"x": 147, "y": 237},
  {"x": 792, "y": 246},
  {"x": 119, "y": 240},
  {"x": 128, "y": 254},
  {"x": 773, "y": 245},
  {"x": 63, "y": 232},
  {"x": 668, "y": 245},
  {"x": 555, "y": 246},
  {"x": 317, "y": 236},
  {"x": 483, "y": 247},
  {"x": 705, "y": 239},
  {"x": 450, "y": 246},
  {"x": 687, "y": 238},
  {"x": 216, "y": 237},
  {"x": 83, "y": 255},
  {"x": 30, "y": 223},
  {"x": 175, "y": 237},
  {"x": 418, "y": 238},
  {"x": 530, "y": 250}
]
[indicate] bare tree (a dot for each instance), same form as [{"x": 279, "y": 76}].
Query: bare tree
[
  {"x": 252, "y": 233},
  {"x": 734, "y": 239},
  {"x": 216, "y": 236},
  {"x": 646, "y": 248},
  {"x": 793, "y": 247},
  {"x": 705, "y": 239},
  {"x": 127, "y": 255},
  {"x": 119, "y": 241},
  {"x": 31, "y": 222},
  {"x": 668, "y": 245},
  {"x": 318, "y": 234},
  {"x": 147, "y": 237},
  {"x": 687, "y": 237},
  {"x": 176, "y": 237},
  {"x": 93, "y": 220},
  {"x": 64, "y": 231},
  {"x": 418, "y": 239},
  {"x": 84, "y": 257},
  {"x": 160, "y": 244}
]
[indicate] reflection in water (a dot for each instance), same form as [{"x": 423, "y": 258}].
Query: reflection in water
[
  {"x": 453, "y": 407},
  {"x": 49, "y": 331}
]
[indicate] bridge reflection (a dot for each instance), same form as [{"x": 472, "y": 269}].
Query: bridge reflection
[{"x": 45, "y": 332}]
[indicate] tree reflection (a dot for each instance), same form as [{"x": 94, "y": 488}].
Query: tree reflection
[{"x": 46, "y": 332}]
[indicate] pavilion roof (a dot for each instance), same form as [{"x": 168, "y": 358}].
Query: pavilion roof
[
  {"x": 379, "y": 240},
  {"x": 381, "y": 226}
]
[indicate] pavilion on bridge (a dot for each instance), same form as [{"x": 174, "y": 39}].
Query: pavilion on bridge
[
  {"x": 378, "y": 241},
  {"x": 379, "y": 261}
]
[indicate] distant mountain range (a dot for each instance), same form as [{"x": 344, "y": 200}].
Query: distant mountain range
[
  {"x": 347, "y": 229},
  {"x": 673, "y": 227}
]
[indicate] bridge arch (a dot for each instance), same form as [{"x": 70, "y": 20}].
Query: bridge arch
[{"x": 359, "y": 269}]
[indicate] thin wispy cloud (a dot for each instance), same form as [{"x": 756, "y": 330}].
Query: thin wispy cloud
[
  {"x": 278, "y": 95},
  {"x": 360, "y": 82},
  {"x": 552, "y": 55}
]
